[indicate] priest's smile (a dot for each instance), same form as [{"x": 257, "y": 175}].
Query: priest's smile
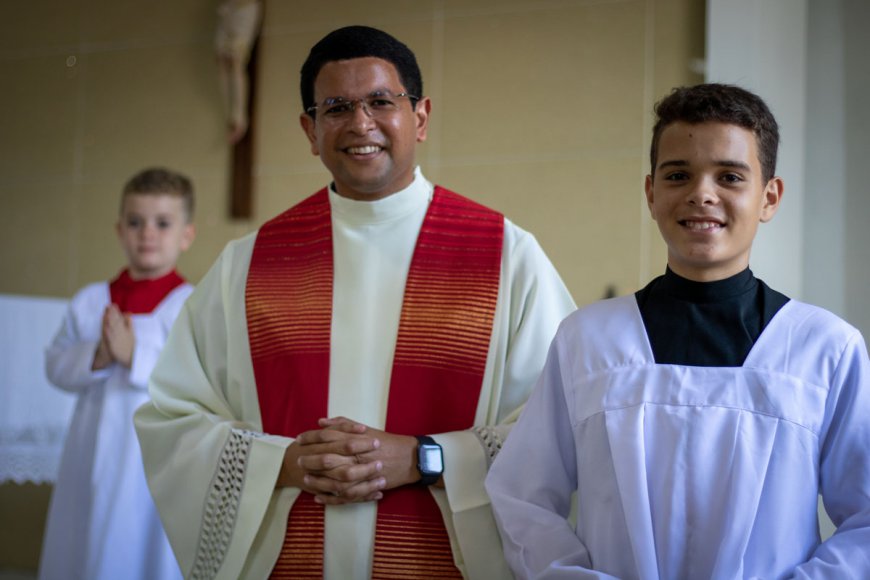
[{"x": 364, "y": 150}]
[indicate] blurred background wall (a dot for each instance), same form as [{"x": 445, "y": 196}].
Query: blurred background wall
[{"x": 540, "y": 109}]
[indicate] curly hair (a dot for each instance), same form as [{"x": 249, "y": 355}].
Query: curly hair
[{"x": 721, "y": 103}]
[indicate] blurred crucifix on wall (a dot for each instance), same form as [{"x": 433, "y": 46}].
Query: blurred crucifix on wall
[{"x": 238, "y": 30}]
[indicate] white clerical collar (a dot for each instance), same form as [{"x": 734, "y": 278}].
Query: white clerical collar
[{"x": 394, "y": 206}]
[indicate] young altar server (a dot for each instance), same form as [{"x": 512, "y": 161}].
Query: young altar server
[
  {"x": 332, "y": 393},
  {"x": 699, "y": 419},
  {"x": 102, "y": 522}
]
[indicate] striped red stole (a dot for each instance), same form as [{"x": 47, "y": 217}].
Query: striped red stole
[{"x": 441, "y": 351}]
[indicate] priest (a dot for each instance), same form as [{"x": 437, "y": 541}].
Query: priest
[{"x": 333, "y": 393}]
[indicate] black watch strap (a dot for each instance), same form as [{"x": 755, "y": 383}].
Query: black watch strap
[{"x": 430, "y": 460}]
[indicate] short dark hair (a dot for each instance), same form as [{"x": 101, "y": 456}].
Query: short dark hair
[
  {"x": 720, "y": 103},
  {"x": 359, "y": 42},
  {"x": 161, "y": 181}
]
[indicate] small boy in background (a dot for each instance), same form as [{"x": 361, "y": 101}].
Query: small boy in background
[
  {"x": 699, "y": 419},
  {"x": 102, "y": 523}
]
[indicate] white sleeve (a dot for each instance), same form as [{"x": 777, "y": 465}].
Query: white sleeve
[
  {"x": 845, "y": 471},
  {"x": 69, "y": 358},
  {"x": 533, "y": 301},
  {"x": 151, "y": 331},
  {"x": 210, "y": 469},
  {"x": 531, "y": 483}
]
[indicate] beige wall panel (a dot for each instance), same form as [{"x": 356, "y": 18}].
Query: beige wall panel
[
  {"x": 539, "y": 85},
  {"x": 38, "y": 112},
  {"x": 582, "y": 228},
  {"x": 292, "y": 17},
  {"x": 49, "y": 25},
  {"x": 40, "y": 25},
  {"x": 544, "y": 98},
  {"x": 39, "y": 248},
  {"x": 158, "y": 105},
  {"x": 99, "y": 252},
  {"x": 133, "y": 22}
]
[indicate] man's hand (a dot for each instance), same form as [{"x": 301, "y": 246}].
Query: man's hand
[
  {"x": 331, "y": 463},
  {"x": 397, "y": 453},
  {"x": 118, "y": 335},
  {"x": 345, "y": 461}
]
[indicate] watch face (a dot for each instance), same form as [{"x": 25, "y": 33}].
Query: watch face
[{"x": 430, "y": 459}]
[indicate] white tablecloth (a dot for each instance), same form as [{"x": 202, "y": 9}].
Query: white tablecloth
[{"x": 34, "y": 415}]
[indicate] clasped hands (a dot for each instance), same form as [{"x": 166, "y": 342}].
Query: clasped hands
[
  {"x": 345, "y": 462},
  {"x": 117, "y": 339}
]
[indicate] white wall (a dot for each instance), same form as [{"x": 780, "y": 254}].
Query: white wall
[
  {"x": 808, "y": 60},
  {"x": 855, "y": 17},
  {"x": 837, "y": 243},
  {"x": 825, "y": 169},
  {"x": 761, "y": 46}
]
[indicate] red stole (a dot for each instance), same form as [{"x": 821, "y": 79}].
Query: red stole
[
  {"x": 142, "y": 296},
  {"x": 441, "y": 350}
]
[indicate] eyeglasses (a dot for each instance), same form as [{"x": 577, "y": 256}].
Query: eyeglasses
[{"x": 376, "y": 105}]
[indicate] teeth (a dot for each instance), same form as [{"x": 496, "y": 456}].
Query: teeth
[
  {"x": 693, "y": 225},
  {"x": 363, "y": 150}
]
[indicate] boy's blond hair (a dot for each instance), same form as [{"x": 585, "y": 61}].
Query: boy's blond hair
[{"x": 161, "y": 181}]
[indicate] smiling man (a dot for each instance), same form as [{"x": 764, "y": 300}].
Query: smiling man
[
  {"x": 698, "y": 420},
  {"x": 336, "y": 387}
]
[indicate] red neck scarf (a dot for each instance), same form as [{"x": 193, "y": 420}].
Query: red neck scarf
[
  {"x": 441, "y": 350},
  {"x": 142, "y": 296}
]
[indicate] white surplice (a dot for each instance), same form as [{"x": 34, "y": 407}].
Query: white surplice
[
  {"x": 685, "y": 472},
  {"x": 213, "y": 471},
  {"x": 102, "y": 522}
]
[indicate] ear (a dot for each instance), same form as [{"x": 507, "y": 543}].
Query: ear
[
  {"x": 648, "y": 189},
  {"x": 421, "y": 116},
  {"x": 187, "y": 236},
  {"x": 772, "y": 196},
  {"x": 309, "y": 126},
  {"x": 118, "y": 228}
]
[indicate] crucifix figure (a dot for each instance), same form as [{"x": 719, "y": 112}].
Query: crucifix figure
[
  {"x": 236, "y": 43},
  {"x": 237, "y": 30}
]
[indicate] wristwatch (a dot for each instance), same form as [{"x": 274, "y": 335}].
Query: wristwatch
[{"x": 430, "y": 460}]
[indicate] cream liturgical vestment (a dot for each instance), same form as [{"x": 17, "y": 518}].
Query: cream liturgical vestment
[{"x": 213, "y": 471}]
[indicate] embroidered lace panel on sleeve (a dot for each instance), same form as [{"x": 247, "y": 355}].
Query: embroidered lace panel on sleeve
[
  {"x": 222, "y": 504},
  {"x": 491, "y": 437}
]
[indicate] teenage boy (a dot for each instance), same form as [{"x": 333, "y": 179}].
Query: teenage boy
[
  {"x": 698, "y": 420},
  {"x": 102, "y": 523},
  {"x": 413, "y": 318}
]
